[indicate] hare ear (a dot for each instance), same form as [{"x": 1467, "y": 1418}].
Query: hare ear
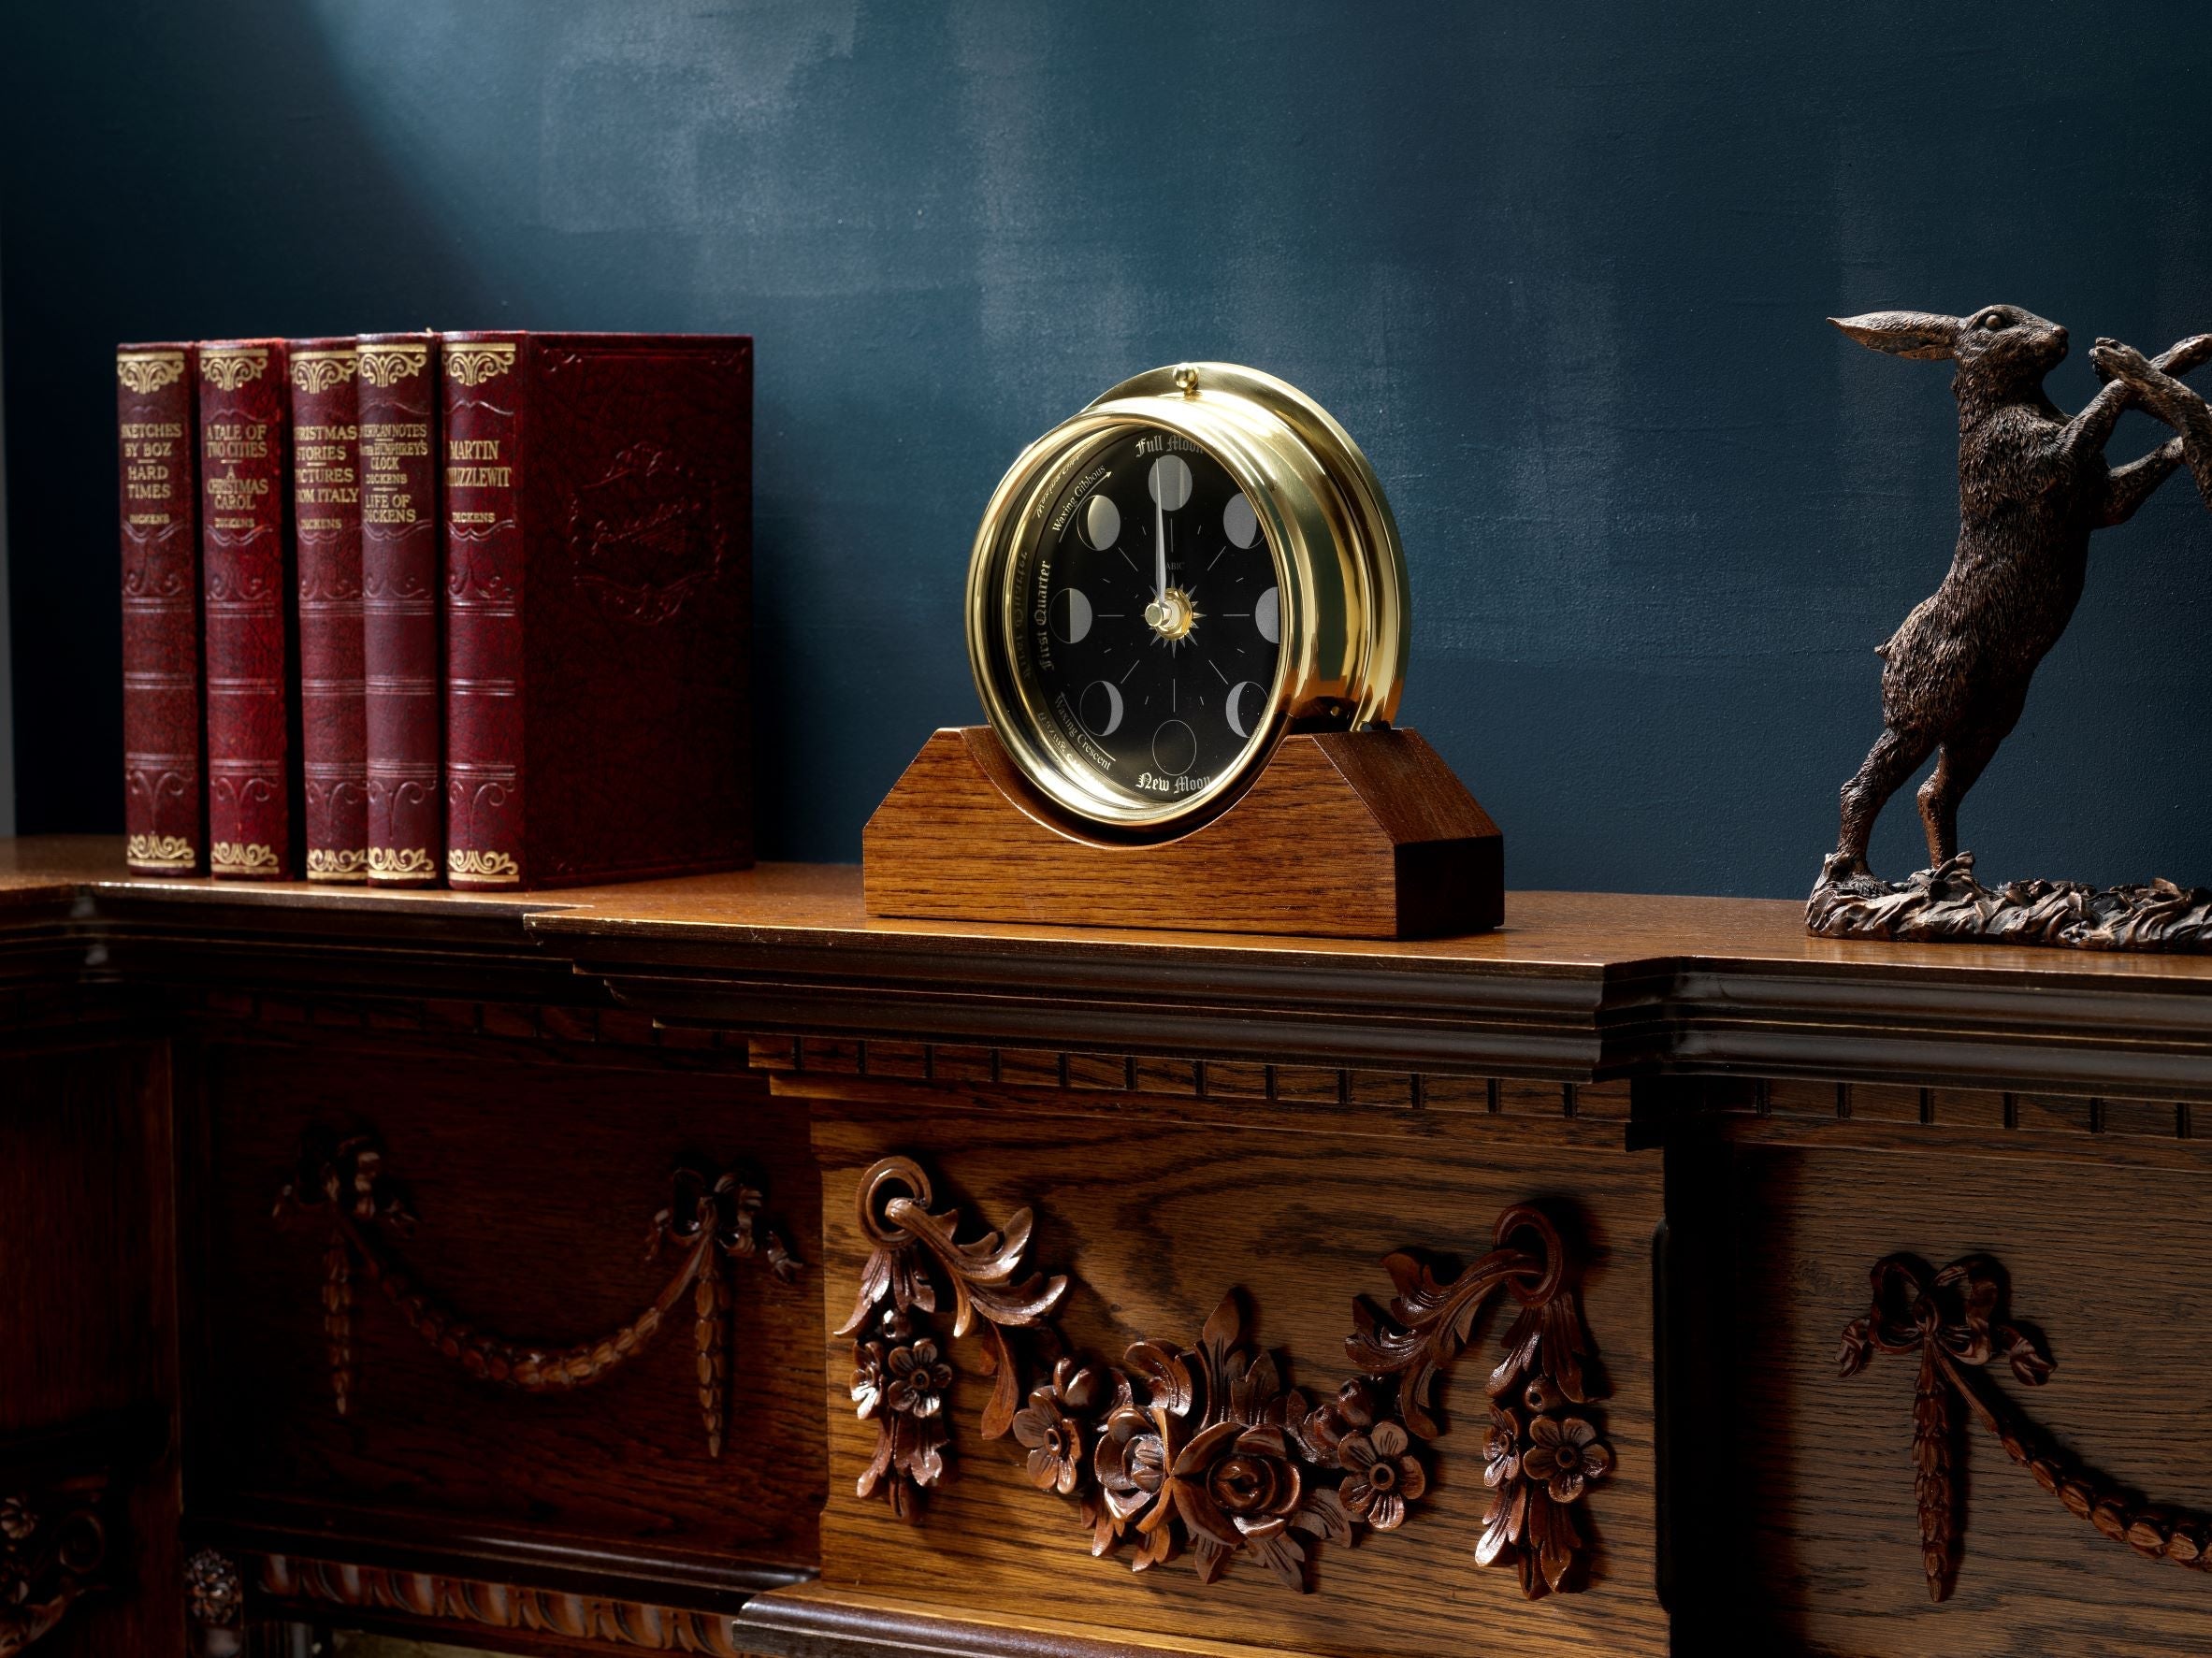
[{"x": 1903, "y": 333}]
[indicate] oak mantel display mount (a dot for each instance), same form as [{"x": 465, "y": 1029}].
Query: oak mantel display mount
[{"x": 1188, "y": 620}]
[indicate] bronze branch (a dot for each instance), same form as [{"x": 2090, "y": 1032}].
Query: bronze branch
[
  {"x": 711, "y": 1222},
  {"x": 1953, "y": 1323}
]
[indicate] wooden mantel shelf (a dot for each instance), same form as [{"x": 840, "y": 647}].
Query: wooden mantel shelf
[
  {"x": 1583, "y": 986},
  {"x": 442, "y": 1389}
]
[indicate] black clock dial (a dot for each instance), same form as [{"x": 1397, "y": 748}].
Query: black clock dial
[{"x": 1151, "y": 618}]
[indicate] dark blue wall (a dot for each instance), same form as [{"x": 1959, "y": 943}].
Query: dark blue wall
[{"x": 1561, "y": 270}]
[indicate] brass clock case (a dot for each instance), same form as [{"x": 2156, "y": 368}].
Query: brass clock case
[{"x": 1339, "y": 569}]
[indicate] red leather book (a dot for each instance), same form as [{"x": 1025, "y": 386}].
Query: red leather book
[
  {"x": 327, "y": 534},
  {"x": 244, "y": 555},
  {"x": 400, "y": 567},
  {"x": 157, "y": 439},
  {"x": 598, "y": 583}
]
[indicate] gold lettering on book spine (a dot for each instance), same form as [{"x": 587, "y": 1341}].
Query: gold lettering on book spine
[
  {"x": 387, "y": 364},
  {"x": 318, "y": 371},
  {"x": 473, "y": 365},
  {"x": 403, "y": 861},
  {"x": 146, "y": 372},
  {"x": 229, "y": 370},
  {"x": 465, "y": 863},
  {"x": 240, "y": 858},
  {"x": 337, "y": 863},
  {"x": 165, "y": 853}
]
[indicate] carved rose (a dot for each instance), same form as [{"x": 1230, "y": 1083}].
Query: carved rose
[
  {"x": 1232, "y": 1483},
  {"x": 16, "y": 1522},
  {"x": 1131, "y": 1462},
  {"x": 1565, "y": 1454},
  {"x": 1384, "y": 1474}
]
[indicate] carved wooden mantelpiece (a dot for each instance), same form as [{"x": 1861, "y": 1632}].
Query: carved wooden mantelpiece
[{"x": 1725, "y": 1122}]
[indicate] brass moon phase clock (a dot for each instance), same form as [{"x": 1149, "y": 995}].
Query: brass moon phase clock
[{"x": 1170, "y": 580}]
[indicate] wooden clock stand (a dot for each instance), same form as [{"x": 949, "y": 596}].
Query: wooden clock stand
[{"x": 1346, "y": 834}]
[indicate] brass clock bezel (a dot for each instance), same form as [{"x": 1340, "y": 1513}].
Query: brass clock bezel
[{"x": 1340, "y": 574}]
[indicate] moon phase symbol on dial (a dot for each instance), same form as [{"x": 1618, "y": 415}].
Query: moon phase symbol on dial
[
  {"x": 1267, "y": 616},
  {"x": 1174, "y": 747},
  {"x": 1101, "y": 708},
  {"x": 1102, "y": 522},
  {"x": 1170, "y": 482},
  {"x": 1234, "y": 705},
  {"x": 1239, "y": 522},
  {"x": 1071, "y": 615}
]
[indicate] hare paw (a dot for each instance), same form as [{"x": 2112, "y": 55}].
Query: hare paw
[{"x": 2115, "y": 360}]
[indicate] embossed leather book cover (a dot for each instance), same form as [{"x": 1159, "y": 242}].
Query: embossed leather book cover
[
  {"x": 400, "y": 572},
  {"x": 245, "y": 555},
  {"x": 157, "y": 441},
  {"x": 326, "y": 534},
  {"x": 599, "y": 585}
]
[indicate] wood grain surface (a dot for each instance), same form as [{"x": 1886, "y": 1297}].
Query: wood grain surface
[
  {"x": 2108, "y": 1266},
  {"x": 88, "y": 1332},
  {"x": 1154, "y": 1223},
  {"x": 536, "y": 1188},
  {"x": 1349, "y": 834}
]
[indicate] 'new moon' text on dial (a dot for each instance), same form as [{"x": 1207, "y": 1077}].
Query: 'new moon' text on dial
[{"x": 1155, "y": 628}]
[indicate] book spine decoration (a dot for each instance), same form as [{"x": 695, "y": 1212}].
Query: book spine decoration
[
  {"x": 484, "y": 560},
  {"x": 399, "y": 559},
  {"x": 326, "y": 531},
  {"x": 241, "y": 422},
  {"x": 165, "y": 792}
]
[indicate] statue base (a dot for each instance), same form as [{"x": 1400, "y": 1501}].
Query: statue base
[{"x": 1947, "y": 905}]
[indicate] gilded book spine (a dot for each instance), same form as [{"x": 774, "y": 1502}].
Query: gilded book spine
[
  {"x": 484, "y": 588},
  {"x": 399, "y": 559},
  {"x": 243, "y": 408},
  {"x": 326, "y": 530},
  {"x": 165, "y": 792}
]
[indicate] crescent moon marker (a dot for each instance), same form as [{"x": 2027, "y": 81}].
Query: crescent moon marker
[
  {"x": 1113, "y": 703},
  {"x": 1235, "y": 706}
]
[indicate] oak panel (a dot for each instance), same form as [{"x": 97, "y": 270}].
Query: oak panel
[
  {"x": 1153, "y": 1222},
  {"x": 2111, "y": 1264},
  {"x": 535, "y": 1188}
]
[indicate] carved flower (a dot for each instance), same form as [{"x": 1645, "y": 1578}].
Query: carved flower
[
  {"x": 1233, "y": 1484},
  {"x": 1256, "y": 1485},
  {"x": 1565, "y": 1454},
  {"x": 1385, "y": 1476},
  {"x": 869, "y": 1376},
  {"x": 1501, "y": 1448},
  {"x": 16, "y": 1522},
  {"x": 1049, "y": 1427},
  {"x": 1129, "y": 1460},
  {"x": 1322, "y": 1432},
  {"x": 918, "y": 1378}
]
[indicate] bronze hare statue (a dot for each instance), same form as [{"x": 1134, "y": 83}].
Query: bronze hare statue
[{"x": 2032, "y": 484}]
